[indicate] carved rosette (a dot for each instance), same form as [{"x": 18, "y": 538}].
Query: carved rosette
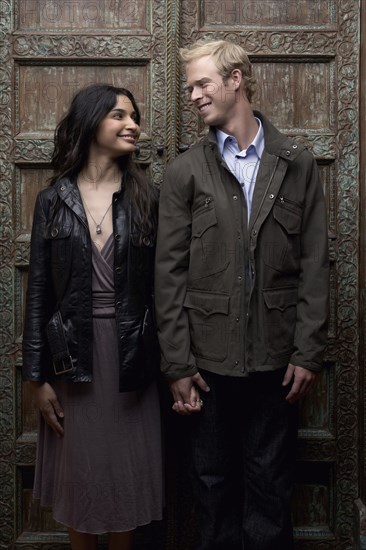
[{"x": 6, "y": 283}]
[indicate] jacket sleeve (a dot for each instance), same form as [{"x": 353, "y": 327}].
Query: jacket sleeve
[
  {"x": 313, "y": 294},
  {"x": 171, "y": 273},
  {"x": 40, "y": 299}
]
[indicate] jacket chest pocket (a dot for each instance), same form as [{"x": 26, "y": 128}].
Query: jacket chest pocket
[
  {"x": 202, "y": 220},
  {"x": 281, "y": 245},
  {"x": 59, "y": 237},
  {"x": 207, "y": 253},
  {"x": 289, "y": 215}
]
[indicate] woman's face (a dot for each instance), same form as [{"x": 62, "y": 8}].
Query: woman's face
[{"x": 118, "y": 131}]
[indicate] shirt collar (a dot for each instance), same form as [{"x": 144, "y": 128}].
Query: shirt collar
[{"x": 258, "y": 141}]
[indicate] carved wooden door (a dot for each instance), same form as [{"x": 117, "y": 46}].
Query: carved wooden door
[
  {"x": 49, "y": 50},
  {"x": 306, "y": 56}
]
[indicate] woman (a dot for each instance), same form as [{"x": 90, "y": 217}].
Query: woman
[{"x": 90, "y": 349}]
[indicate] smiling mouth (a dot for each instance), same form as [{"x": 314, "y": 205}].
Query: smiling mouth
[
  {"x": 202, "y": 108},
  {"x": 128, "y": 137}
]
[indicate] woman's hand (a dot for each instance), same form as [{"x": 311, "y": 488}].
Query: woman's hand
[{"x": 47, "y": 402}]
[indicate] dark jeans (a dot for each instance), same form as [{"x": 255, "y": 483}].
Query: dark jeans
[{"x": 243, "y": 454}]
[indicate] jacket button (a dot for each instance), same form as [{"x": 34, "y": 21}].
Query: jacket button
[
  {"x": 117, "y": 237},
  {"x": 271, "y": 196},
  {"x": 239, "y": 277},
  {"x": 146, "y": 241},
  {"x": 288, "y": 153},
  {"x": 54, "y": 232},
  {"x": 235, "y": 197},
  {"x": 294, "y": 146},
  {"x": 62, "y": 188},
  {"x": 237, "y": 319},
  {"x": 118, "y": 304},
  {"x": 236, "y": 363},
  {"x": 118, "y": 270},
  {"x": 254, "y": 232}
]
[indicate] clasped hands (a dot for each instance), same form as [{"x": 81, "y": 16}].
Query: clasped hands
[{"x": 187, "y": 399}]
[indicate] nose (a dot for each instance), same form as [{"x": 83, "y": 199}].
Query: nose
[
  {"x": 196, "y": 93},
  {"x": 131, "y": 123}
]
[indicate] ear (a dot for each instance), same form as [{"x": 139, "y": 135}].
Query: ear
[{"x": 236, "y": 77}]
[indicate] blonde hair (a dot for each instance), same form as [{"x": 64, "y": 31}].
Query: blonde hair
[{"x": 227, "y": 57}]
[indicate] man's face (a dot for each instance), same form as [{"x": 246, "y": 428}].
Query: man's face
[{"x": 214, "y": 99}]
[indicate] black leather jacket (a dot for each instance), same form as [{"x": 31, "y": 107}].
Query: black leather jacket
[{"x": 60, "y": 281}]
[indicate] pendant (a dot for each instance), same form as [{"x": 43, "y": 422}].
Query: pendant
[{"x": 98, "y": 230}]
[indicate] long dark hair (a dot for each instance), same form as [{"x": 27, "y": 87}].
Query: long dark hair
[{"x": 72, "y": 139}]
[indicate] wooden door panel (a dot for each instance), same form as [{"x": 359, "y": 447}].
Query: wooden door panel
[
  {"x": 289, "y": 90},
  {"x": 45, "y": 91},
  {"x": 315, "y": 410},
  {"x": 121, "y": 15},
  {"x": 267, "y": 13}
]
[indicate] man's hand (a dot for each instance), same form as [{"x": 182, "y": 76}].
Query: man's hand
[
  {"x": 302, "y": 379},
  {"x": 47, "y": 402},
  {"x": 186, "y": 395}
]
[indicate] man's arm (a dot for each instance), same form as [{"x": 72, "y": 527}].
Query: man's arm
[
  {"x": 171, "y": 274},
  {"x": 313, "y": 294}
]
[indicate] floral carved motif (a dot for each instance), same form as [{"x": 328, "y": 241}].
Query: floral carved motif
[
  {"x": 6, "y": 282},
  {"x": 82, "y": 46}
]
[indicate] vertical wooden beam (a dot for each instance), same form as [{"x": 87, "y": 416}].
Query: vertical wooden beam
[
  {"x": 173, "y": 77},
  {"x": 360, "y": 503}
]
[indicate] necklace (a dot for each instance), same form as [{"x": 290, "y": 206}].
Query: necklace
[{"x": 98, "y": 226}]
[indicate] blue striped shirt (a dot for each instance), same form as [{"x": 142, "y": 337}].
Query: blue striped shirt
[{"x": 242, "y": 164}]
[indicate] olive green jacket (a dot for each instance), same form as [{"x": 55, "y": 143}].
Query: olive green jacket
[{"x": 233, "y": 298}]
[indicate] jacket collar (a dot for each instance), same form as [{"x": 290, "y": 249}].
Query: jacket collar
[
  {"x": 275, "y": 143},
  {"x": 68, "y": 192}
]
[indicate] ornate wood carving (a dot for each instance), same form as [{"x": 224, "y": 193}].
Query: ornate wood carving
[
  {"x": 347, "y": 270},
  {"x": 81, "y": 46},
  {"x": 173, "y": 77},
  {"x": 7, "y": 409}
]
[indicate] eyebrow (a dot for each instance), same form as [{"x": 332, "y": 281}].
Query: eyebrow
[
  {"x": 198, "y": 82},
  {"x": 122, "y": 111}
]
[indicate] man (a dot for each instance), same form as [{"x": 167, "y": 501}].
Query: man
[{"x": 242, "y": 301}]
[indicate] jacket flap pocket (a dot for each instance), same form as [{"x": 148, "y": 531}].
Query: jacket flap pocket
[
  {"x": 202, "y": 221},
  {"x": 280, "y": 298},
  {"x": 54, "y": 231},
  {"x": 207, "y": 303},
  {"x": 290, "y": 220}
]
